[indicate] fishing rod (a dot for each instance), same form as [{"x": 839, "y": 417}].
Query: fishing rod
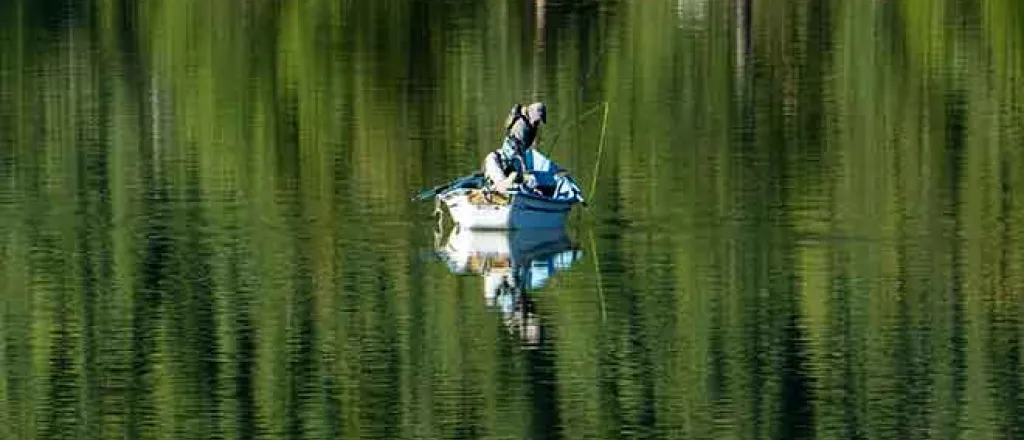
[
  {"x": 554, "y": 138},
  {"x": 579, "y": 92},
  {"x": 433, "y": 192},
  {"x": 600, "y": 149}
]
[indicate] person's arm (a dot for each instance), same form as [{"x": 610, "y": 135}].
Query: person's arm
[
  {"x": 492, "y": 168},
  {"x": 494, "y": 172}
]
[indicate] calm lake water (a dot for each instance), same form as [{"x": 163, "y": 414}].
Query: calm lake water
[{"x": 805, "y": 220}]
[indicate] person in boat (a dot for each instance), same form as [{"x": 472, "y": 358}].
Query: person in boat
[
  {"x": 507, "y": 166},
  {"x": 518, "y": 165}
]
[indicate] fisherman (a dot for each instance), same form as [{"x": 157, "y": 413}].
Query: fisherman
[{"x": 507, "y": 166}]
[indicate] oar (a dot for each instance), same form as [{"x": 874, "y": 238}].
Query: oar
[{"x": 430, "y": 193}]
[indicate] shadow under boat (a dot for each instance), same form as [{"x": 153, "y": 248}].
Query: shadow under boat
[{"x": 514, "y": 264}]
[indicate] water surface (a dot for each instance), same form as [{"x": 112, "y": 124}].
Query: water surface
[{"x": 804, "y": 220}]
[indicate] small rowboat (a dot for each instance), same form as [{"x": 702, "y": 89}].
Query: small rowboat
[
  {"x": 545, "y": 203},
  {"x": 475, "y": 208}
]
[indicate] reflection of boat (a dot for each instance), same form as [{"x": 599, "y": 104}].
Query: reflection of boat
[
  {"x": 512, "y": 263},
  {"x": 538, "y": 253}
]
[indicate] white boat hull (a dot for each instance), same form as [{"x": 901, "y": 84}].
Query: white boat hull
[{"x": 521, "y": 212}]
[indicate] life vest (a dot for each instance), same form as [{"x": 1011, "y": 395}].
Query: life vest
[
  {"x": 515, "y": 115},
  {"x": 510, "y": 155}
]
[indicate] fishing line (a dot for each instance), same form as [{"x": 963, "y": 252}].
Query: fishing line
[
  {"x": 580, "y": 89},
  {"x": 554, "y": 138}
]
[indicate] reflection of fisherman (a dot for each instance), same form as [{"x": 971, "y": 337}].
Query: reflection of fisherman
[
  {"x": 513, "y": 265},
  {"x": 508, "y": 291},
  {"x": 506, "y": 166},
  {"x": 505, "y": 292}
]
